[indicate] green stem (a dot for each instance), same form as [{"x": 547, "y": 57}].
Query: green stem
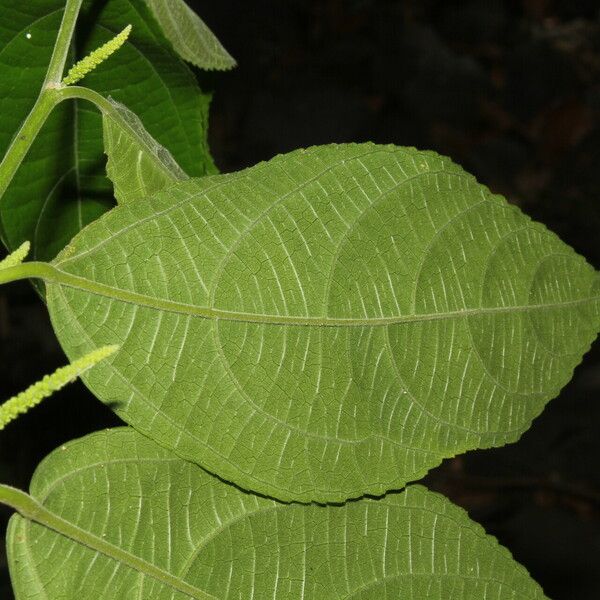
[
  {"x": 56, "y": 67},
  {"x": 47, "y": 99},
  {"x": 29, "y": 270},
  {"x": 23, "y": 139},
  {"x": 23, "y": 503},
  {"x": 83, "y": 93},
  {"x": 31, "y": 509}
]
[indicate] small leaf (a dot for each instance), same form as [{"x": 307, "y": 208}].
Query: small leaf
[
  {"x": 190, "y": 36},
  {"x": 137, "y": 164},
  {"x": 154, "y": 526},
  {"x": 332, "y": 323}
]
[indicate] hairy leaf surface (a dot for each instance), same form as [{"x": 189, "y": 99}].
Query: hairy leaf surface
[
  {"x": 190, "y": 36},
  {"x": 331, "y": 323},
  {"x": 137, "y": 164},
  {"x": 165, "y": 512},
  {"x": 62, "y": 186}
]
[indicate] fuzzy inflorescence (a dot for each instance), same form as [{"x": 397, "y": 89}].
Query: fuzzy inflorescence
[
  {"x": 34, "y": 394},
  {"x": 89, "y": 63},
  {"x": 17, "y": 257}
]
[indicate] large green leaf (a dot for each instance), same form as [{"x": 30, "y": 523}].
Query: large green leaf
[
  {"x": 61, "y": 186},
  {"x": 190, "y": 36},
  {"x": 331, "y": 323},
  {"x": 182, "y": 528}
]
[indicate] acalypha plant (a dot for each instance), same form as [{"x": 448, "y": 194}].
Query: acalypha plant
[{"x": 290, "y": 347}]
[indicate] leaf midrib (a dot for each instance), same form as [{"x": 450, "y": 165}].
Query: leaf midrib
[{"x": 52, "y": 274}]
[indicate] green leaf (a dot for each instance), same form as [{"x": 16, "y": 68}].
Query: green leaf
[
  {"x": 62, "y": 186},
  {"x": 153, "y": 526},
  {"x": 331, "y": 323},
  {"x": 190, "y": 36},
  {"x": 137, "y": 164}
]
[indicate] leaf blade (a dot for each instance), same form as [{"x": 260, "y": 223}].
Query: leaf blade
[
  {"x": 226, "y": 543},
  {"x": 190, "y": 36},
  {"x": 137, "y": 164},
  {"x": 427, "y": 290}
]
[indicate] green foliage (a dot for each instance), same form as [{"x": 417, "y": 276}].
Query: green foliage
[
  {"x": 55, "y": 193},
  {"x": 190, "y": 36},
  {"x": 325, "y": 326},
  {"x": 179, "y": 526},
  {"x": 331, "y": 323}
]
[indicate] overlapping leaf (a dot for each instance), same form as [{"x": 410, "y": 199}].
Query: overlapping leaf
[
  {"x": 331, "y": 323},
  {"x": 62, "y": 185},
  {"x": 137, "y": 165},
  {"x": 197, "y": 532}
]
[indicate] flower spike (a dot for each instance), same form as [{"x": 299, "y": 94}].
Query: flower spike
[
  {"x": 17, "y": 257},
  {"x": 89, "y": 63},
  {"x": 34, "y": 394}
]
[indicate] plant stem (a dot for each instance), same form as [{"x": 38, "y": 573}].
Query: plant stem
[
  {"x": 47, "y": 99},
  {"x": 56, "y": 67},
  {"x": 23, "y": 139},
  {"x": 28, "y": 270},
  {"x": 31, "y": 509},
  {"x": 19, "y": 501},
  {"x": 83, "y": 93}
]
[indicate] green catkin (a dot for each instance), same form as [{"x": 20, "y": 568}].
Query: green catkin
[
  {"x": 89, "y": 63},
  {"x": 17, "y": 257},
  {"x": 34, "y": 394}
]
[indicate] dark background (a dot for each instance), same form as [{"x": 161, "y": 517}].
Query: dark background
[{"x": 511, "y": 91}]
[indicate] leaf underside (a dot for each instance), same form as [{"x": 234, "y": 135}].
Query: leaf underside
[
  {"x": 61, "y": 186},
  {"x": 163, "y": 511},
  {"x": 137, "y": 165},
  {"x": 331, "y": 323},
  {"x": 190, "y": 36}
]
